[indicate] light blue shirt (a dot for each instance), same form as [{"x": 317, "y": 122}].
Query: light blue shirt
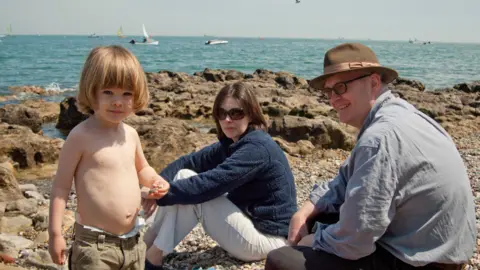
[{"x": 404, "y": 187}]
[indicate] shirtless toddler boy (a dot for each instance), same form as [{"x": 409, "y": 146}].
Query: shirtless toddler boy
[{"x": 105, "y": 157}]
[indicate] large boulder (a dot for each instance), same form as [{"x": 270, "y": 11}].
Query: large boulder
[
  {"x": 69, "y": 115},
  {"x": 165, "y": 139},
  {"x": 468, "y": 87},
  {"x": 27, "y": 149},
  {"x": 48, "y": 111},
  {"x": 18, "y": 114},
  {"x": 321, "y": 132}
]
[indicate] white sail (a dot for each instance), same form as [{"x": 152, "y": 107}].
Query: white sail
[{"x": 145, "y": 34}]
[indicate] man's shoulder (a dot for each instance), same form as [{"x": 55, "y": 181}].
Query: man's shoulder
[{"x": 378, "y": 132}]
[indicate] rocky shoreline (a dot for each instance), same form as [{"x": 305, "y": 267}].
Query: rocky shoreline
[{"x": 178, "y": 121}]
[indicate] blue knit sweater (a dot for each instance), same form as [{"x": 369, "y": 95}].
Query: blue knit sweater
[{"x": 253, "y": 171}]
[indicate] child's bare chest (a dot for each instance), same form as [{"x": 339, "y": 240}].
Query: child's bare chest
[{"x": 111, "y": 156}]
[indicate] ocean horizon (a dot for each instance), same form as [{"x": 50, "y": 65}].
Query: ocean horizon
[{"x": 54, "y": 62}]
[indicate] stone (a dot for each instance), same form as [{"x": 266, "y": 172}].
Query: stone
[
  {"x": 41, "y": 259},
  {"x": 12, "y": 244},
  {"x": 15, "y": 224},
  {"x": 9, "y": 189},
  {"x": 28, "y": 187}
]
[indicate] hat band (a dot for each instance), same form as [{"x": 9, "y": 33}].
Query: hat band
[{"x": 348, "y": 66}]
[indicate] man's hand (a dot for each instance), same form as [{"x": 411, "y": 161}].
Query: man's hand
[
  {"x": 149, "y": 206},
  {"x": 57, "y": 249},
  {"x": 297, "y": 229},
  {"x": 307, "y": 240}
]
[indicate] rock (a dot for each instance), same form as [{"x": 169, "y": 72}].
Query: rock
[
  {"x": 42, "y": 238},
  {"x": 3, "y": 205},
  {"x": 40, "y": 220},
  {"x": 17, "y": 114},
  {"x": 35, "y": 195},
  {"x": 234, "y": 75},
  {"x": 23, "y": 206},
  {"x": 412, "y": 83},
  {"x": 15, "y": 224},
  {"x": 48, "y": 111},
  {"x": 285, "y": 80},
  {"x": 468, "y": 87},
  {"x": 9, "y": 189},
  {"x": 28, "y": 187},
  {"x": 264, "y": 74},
  {"x": 322, "y": 132},
  {"x": 32, "y": 89},
  {"x": 5, "y": 258},
  {"x": 300, "y": 148},
  {"x": 69, "y": 115},
  {"x": 41, "y": 259},
  {"x": 26, "y": 148},
  {"x": 12, "y": 244},
  {"x": 213, "y": 75},
  {"x": 165, "y": 139}
]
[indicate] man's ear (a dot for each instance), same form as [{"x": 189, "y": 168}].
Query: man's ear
[{"x": 376, "y": 83}]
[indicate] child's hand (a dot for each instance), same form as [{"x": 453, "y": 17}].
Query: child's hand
[
  {"x": 57, "y": 249},
  {"x": 158, "y": 190}
]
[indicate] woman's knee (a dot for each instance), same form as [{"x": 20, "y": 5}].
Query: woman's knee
[{"x": 184, "y": 173}]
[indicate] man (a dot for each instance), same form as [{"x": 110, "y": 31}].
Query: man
[{"x": 401, "y": 200}]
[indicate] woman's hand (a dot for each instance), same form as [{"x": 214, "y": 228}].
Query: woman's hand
[{"x": 157, "y": 191}]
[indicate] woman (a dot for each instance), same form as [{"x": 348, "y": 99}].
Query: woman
[{"x": 241, "y": 188}]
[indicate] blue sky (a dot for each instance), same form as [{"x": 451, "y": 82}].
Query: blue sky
[{"x": 440, "y": 20}]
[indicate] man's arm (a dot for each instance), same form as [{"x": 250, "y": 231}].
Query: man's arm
[
  {"x": 367, "y": 210},
  {"x": 329, "y": 196},
  {"x": 324, "y": 198}
]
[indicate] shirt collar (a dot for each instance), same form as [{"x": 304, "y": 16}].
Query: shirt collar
[{"x": 379, "y": 103}]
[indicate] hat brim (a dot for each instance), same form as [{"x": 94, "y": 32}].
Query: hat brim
[{"x": 388, "y": 75}]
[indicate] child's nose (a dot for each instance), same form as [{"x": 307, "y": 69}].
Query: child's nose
[{"x": 117, "y": 102}]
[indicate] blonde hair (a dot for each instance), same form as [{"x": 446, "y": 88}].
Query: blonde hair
[{"x": 108, "y": 67}]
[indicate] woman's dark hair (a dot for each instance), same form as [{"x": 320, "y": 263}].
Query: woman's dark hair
[{"x": 244, "y": 93}]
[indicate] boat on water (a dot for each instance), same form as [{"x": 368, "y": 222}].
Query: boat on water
[
  {"x": 416, "y": 41},
  {"x": 8, "y": 31},
  {"x": 215, "y": 42},
  {"x": 93, "y": 36},
  {"x": 147, "y": 39},
  {"x": 120, "y": 33}
]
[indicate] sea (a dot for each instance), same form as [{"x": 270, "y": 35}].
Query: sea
[{"x": 55, "y": 62}]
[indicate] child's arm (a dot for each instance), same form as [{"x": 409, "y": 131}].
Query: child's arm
[
  {"x": 147, "y": 176},
  {"x": 70, "y": 156}
]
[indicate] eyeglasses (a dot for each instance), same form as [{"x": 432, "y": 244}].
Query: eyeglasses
[
  {"x": 234, "y": 114},
  {"x": 341, "y": 87}
]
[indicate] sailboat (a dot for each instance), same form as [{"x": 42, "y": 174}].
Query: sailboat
[
  {"x": 9, "y": 31},
  {"x": 147, "y": 40},
  {"x": 120, "y": 33}
]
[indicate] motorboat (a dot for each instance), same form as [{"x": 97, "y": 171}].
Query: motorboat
[{"x": 215, "y": 42}]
